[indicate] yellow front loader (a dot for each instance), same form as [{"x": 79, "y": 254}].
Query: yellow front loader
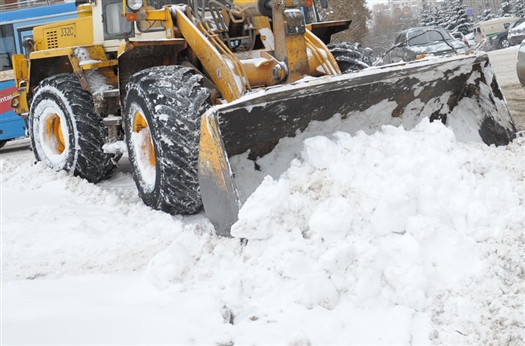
[{"x": 195, "y": 88}]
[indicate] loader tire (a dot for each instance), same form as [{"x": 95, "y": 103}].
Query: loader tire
[
  {"x": 163, "y": 108},
  {"x": 351, "y": 56},
  {"x": 66, "y": 133}
]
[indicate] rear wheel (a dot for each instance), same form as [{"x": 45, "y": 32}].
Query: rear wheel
[
  {"x": 66, "y": 133},
  {"x": 162, "y": 114},
  {"x": 351, "y": 56},
  {"x": 504, "y": 43},
  {"x": 2, "y": 143}
]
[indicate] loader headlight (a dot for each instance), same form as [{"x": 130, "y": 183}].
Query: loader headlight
[{"x": 135, "y": 5}]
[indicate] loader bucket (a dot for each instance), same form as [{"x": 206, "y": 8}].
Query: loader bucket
[{"x": 462, "y": 92}]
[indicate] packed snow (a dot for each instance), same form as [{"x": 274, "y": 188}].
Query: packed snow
[{"x": 392, "y": 238}]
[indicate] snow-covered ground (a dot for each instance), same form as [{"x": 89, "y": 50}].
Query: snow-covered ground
[
  {"x": 390, "y": 238},
  {"x": 395, "y": 238}
]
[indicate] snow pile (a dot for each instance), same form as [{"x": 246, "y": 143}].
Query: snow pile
[
  {"x": 387, "y": 224},
  {"x": 400, "y": 237}
]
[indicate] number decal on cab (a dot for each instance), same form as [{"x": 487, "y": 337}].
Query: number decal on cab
[{"x": 67, "y": 31}]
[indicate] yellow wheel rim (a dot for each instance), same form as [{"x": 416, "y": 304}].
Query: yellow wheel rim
[
  {"x": 54, "y": 132},
  {"x": 140, "y": 124}
]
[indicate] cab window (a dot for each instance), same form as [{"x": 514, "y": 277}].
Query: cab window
[{"x": 115, "y": 26}]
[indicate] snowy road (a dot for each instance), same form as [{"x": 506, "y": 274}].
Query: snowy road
[{"x": 504, "y": 63}]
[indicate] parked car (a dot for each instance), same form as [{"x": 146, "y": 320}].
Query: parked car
[
  {"x": 493, "y": 31},
  {"x": 517, "y": 33},
  {"x": 463, "y": 28},
  {"x": 414, "y": 43},
  {"x": 500, "y": 39},
  {"x": 520, "y": 65}
]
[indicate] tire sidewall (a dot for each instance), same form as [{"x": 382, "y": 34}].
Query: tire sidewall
[
  {"x": 47, "y": 101},
  {"x": 149, "y": 192}
]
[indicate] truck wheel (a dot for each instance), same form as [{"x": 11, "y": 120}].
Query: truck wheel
[
  {"x": 65, "y": 132},
  {"x": 163, "y": 108},
  {"x": 351, "y": 56}
]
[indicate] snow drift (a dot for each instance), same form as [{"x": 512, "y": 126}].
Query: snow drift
[{"x": 400, "y": 237}]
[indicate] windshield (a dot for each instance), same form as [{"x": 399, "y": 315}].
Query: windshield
[{"x": 420, "y": 37}]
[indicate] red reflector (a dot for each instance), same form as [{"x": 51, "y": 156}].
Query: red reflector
[
  {"x": 132, "y": 16},
  {"x": 309, "y": 3}
]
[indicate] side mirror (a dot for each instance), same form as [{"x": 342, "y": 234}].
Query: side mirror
[{"x": 29, "y": 44}]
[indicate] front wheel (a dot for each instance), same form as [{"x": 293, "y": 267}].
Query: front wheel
[
  {"x": 66, "y": 133},
  {"x": 163, "y": 107}
]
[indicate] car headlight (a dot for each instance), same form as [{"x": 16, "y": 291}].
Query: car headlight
[{"x": 135, "y": 5}]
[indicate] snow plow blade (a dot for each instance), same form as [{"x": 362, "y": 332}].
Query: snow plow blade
[{"x": 462, "y": 92}]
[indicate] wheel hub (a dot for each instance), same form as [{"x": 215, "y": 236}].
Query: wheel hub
[
  {"x": 54, "y": 132},
  {"x": 140, "y": 125}
]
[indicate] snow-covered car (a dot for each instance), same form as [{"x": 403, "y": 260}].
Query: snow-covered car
[
  {"x": 464, "y": 28},
  {"x": 520, "y": 65},
  {"x": 415, "y": 43},
  {"x": 460, "y": 37},
  {"x": 517, "y": 33},
  {"x": 470, "y": 39}
]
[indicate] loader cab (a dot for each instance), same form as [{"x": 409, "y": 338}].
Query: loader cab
[
  {"x": 115, "y": 29},
  {"x": 110, "y": 29}
]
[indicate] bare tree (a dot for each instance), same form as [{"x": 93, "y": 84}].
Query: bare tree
[{"x": 383, "y": 32}]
